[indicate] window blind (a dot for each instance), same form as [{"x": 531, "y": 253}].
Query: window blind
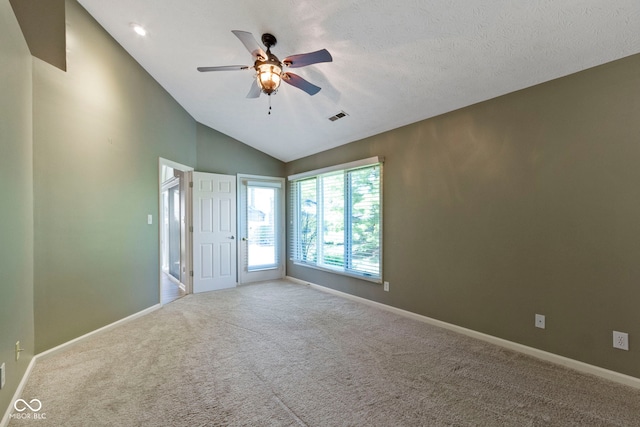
[{"x": 336, "y": 219}]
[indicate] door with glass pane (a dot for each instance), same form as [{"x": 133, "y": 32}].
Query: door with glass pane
[{"x": 261, "y": 220}]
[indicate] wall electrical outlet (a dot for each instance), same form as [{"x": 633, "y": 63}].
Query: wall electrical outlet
[
  {"x": 621, "y": 340},
  {"x": 386, "y": 286},
  {"x": 540, "y": 321},
  {"x": 2, "y": 369}
]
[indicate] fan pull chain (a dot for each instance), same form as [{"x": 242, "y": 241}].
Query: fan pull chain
[{"x": 269, "y": 104}]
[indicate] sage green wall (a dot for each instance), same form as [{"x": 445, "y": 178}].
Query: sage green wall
[
  {"x": 219, "y": 153},
  {"x": 528, "y": 203},
  {"x": 98, "y": 131},
  {"x": 16, "y": 204}
]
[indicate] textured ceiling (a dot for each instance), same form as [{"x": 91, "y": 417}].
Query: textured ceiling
[{"x": 395, "y": 62}]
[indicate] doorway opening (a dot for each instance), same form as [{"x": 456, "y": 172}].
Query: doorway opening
[{"x": 174, "y": 214}]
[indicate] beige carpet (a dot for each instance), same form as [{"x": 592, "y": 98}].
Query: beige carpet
[{"x": 281, "y": 354}]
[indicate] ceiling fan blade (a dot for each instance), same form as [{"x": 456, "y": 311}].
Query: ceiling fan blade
[
  {"x": 255, "y": 91},
  {"x": 224, "y": 68},
  {"x": 304, "y": 59},
  {"x": 300, "y": 83},
  {"x": 250, "y": 43}
]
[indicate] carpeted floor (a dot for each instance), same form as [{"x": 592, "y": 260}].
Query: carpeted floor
[{"x": 281, "y": 354}]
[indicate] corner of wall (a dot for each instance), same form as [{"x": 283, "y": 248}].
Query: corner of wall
[{"x": 16, "y": 209}]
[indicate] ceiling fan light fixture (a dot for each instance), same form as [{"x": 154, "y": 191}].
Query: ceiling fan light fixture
[{"x": 269, "y": 77}]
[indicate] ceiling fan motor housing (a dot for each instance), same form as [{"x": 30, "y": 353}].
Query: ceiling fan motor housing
[
  {"x": 269, "y": 40},
  {"x": 269, "y": 70}
]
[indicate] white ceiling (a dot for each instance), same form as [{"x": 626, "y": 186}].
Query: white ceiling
[{"x": 395, "y": 62}]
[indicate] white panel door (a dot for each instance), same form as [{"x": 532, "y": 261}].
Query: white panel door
[{"x": 214, "y": 228}]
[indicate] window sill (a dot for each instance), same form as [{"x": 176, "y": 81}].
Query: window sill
[{"x": 365, "y": 277}]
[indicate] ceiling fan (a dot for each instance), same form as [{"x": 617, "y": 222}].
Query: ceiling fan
[{"x": 269, "y": 68}]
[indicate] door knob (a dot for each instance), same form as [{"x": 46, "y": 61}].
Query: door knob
[
  {"x": 232, "y": 237},
  {"x": 244, "y": 239}
]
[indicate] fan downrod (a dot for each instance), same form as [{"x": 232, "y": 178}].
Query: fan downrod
[{"x": 269, "y": 40}]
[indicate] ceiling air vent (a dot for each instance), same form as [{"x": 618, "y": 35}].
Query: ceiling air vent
[{"x": 340, "y": 115}]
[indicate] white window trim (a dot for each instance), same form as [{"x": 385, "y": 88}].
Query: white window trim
[
  {"x": 346, "y": 166},
  {"x": 351, "y": 165},
  {"x": 377, "y": 280}
]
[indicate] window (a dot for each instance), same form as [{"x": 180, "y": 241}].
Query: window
[{"x": 336, "y": 218}]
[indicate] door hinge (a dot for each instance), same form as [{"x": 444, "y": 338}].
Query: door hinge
[
  {"x": 191, "y": 228},
  {"x": 191, "y": 184},
  {"x": 191, "y": 273}
]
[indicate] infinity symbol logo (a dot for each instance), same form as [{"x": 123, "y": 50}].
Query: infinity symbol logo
[{"x": 24, "y": 405}]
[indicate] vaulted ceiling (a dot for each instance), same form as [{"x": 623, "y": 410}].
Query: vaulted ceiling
[{"x": 395, "y": 62}]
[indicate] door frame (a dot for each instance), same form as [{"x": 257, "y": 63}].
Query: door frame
[
  {"x": 186, "y": 239},
  {"x": 281, "y": 227}
]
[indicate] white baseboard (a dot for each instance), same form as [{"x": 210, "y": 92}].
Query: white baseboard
[
  {"x": 18, "y": 393},
  {"x": 74, "y": 341},
  {"x": 539, "y": 354},
  {"x": 65, "y": 346}
]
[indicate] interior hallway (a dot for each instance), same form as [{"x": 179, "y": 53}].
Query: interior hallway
[{"x": 169, "y": 289}]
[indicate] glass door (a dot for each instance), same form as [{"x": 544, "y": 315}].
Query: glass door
[{"x": 261, "y": 223}]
